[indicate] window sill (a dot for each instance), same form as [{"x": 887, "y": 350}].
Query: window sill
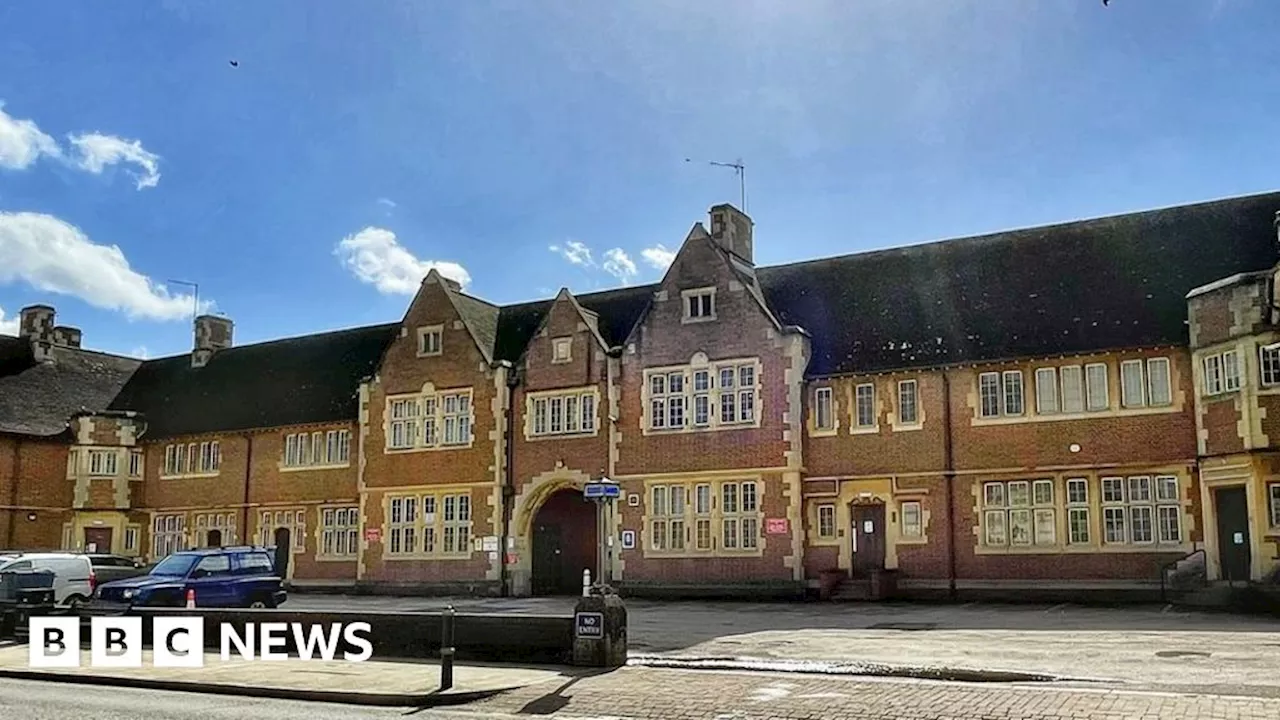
[
  {"x": 426, "y": 448},
  {"x": 912, "y": 540},
  {"x": 829, "y": 432},
  {"x": 562, "y": 436},
  {"x": 721, "y": 427},
  {"x": 864, "y": 430},
  {"x": 430, "y": 354},
  {"x": 695, "y": 320},
  {"x": 190, "y": 476},
  {"x": 707, "y": 554},
  {"x": 389, "y": 557},
  {"x": 302, "y": 468},
  {"x": 1062, "y": 417},
  {"x": 825, "y": 542},
  {"x": 1091, "y": 549},
  {"x": 336, "y": 558},
  {"x": 909, "y": 427}
]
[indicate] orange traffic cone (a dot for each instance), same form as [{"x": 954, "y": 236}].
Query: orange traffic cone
[{"x": 191, "y": 598}]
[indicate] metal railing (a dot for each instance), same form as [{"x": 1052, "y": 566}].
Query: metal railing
[{"x": 1173, "y": 564}]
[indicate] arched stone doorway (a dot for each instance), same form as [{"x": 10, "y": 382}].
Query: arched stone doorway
[{"x": 564, "y": 543}]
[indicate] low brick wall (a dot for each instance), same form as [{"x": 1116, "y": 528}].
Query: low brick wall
[{"x": 504, "y": 637}]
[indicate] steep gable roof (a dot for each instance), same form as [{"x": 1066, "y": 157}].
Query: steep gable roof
[
  {"x": 308, "y": 379},
  {"x": 37, "y": 398}
]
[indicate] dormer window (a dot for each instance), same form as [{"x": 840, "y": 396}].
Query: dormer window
[
  {"x": 561, "y": 349},
  {"x": 430, "y": 340},
  {"x": 699, "y": 304}
]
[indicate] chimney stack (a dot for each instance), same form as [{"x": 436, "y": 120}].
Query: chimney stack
[
  {"x": 731, "y": 229},
  {"x": 213, "y": 333},
  {"x": 35, "y": 323}
]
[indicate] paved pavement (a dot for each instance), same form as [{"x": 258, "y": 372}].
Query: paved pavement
[
  {"x": 372, "y": 682},
  {"x": 1139, "y": 646},
  {"x": 642, "y": 693}
]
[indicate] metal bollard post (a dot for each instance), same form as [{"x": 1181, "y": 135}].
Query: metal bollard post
[
  {"x": 586, "y": 583},
  {"x": 446, "y": 649}
]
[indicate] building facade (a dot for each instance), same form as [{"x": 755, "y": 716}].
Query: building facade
[{"x": 1077, "y": 406}]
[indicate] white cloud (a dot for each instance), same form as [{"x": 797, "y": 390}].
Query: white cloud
[
  {"x": 658, "y": 256},
  {"x": 141, "y": 352},
  {"x": 22, "y": 142},
  {"x": 8, "y": 326},
  {"x": 52, "y": 255},
  {"x": 575, "y": 252},
  {"x": 98, "y": 151},
  {"x": 386, "y": 202},
  {"x": 619, "y": 265},
  {"x": 374, "y": 256}
]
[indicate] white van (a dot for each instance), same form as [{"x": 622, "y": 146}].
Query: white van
[{"x": 73, "y": 576}]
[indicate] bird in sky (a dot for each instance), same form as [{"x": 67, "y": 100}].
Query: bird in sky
[{"x": 236, "y": 63}]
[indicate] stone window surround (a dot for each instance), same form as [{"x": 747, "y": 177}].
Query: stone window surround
[
  {"x": 352, "y": 511},
  {"x": 291, "y": 516},
  {"x": 1113, "y": 406},
  {"x": 715, "y": 516},
  {"x": 698, "y": 363},
  {"x": 324, "y": 435},
  {"x": 168, "y": 471},
  {"x": 685, "y": 316},
  {"x": 423, "y": 332},
  {"x": 833, "y": 410},
  {"x": 558, "y": 344},
  {"x": 419, "y": 523},
  {"x": 429, "y": 390},
  {"x": 1093, "y": 505},
  {"x": 529, "y": 420}
]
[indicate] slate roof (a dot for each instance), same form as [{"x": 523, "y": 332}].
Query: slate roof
[
  {"x": 313, "y": 378},
  {"x": 1112, "y": 282},
  {"x": 38, "y": 398}
]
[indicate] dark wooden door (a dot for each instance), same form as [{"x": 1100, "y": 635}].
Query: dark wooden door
[
  {"x": 548, "y": 561},
  {"x": 1232, "y": 510},
  {"x": 869, "y": 538},
  {"x": 97, "y": 540},
  {"x": 284, "y": 547},
  {"x": 214, "y": 539}
]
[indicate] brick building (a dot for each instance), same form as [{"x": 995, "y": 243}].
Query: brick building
[{"x": 1076, "y": 405}]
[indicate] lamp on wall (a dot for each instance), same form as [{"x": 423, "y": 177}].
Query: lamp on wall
[
  {"x": 31, "y": 517},
  {"x": 1075, "y": 447}
]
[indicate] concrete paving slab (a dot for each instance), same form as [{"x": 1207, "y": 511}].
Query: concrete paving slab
[{"x": 371, "y": 682}]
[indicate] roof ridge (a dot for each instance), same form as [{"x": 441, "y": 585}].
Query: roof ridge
[{"x": 287, "y": 338}]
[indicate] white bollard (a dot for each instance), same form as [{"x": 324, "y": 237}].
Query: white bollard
[{"x": 586, "y": 583}]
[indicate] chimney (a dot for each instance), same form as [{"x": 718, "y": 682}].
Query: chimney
[
  {"x": 64, "y": 336},
  {"x": 213, "y": 333},
  {"x": 731, "y": 228},
  {"x": 35, "y": 323}
]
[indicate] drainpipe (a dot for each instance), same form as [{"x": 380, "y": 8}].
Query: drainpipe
[
  {"x": 949, "y": 479},
  {"x": 248, "y": 473},
  {"x": 13, "y": 491},
  {"x": 509, "y": 482}
]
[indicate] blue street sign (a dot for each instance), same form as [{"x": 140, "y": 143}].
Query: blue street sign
[{"x": 597, "y": 490}]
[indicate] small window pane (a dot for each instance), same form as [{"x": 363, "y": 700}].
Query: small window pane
[{"x": 1046, "y": 391}]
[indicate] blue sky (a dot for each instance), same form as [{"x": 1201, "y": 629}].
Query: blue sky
[{"x": 359, "y": 142}]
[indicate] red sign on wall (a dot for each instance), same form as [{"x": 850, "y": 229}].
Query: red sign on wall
[
  {"x": 373, "y": 535},
  {"x": 775, "y": 526}
]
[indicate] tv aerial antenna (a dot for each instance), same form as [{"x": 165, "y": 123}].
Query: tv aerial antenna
[{"x": 739, "y": 169}]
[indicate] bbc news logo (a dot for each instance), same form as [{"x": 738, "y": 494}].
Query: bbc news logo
[{"x": 179, "y": 641}]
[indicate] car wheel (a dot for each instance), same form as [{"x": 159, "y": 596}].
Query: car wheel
[
  {"x": 76, "y": 602},
  {"x": 260, "y": 603}
]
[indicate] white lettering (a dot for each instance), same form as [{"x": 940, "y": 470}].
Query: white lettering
[
  {"x": 274, "y": 635},
  {"x": 306, "y": 643},
  {"x": 243, "y": 644},
  {"x": 366, "y": 647}
]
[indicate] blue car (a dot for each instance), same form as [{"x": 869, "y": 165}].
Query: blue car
[{"x": 233, "y": 577}]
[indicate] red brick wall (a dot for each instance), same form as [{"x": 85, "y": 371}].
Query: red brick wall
[
  {"x": 33, "y": 479},
  {"x": 888, "y": 450},
  {"x": 1221, "y": 418},
  {"x": 740, "y": 330},
  {"x": 461, "y": 365}
]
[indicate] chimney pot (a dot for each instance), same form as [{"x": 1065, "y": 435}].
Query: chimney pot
[{"x": 64, "y": 336}]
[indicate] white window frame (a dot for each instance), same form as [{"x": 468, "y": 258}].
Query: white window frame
[
  {"x": 864, "y": 399},
  {"x": 911, "y": 529},
  {"x": 990, "y": 391},
  {"x": 339, "y": 532},
  {"x": 561, "y": 350},
  {"x": 427, "y": 347},
  {"x": 168, "y": 535},
  {"x": 1159, "y": 394},
  {"x": 1273, "y": 501},
  {"x": 698, "y": 304},
  {"x": 1129, "y": 384},
  {"x": 824, "y": 410},
  {"x": 908, "y": 397},
  {"x": 1047, "y": 391},
  {"x": 320, "y": 449},
  {"x": 1020, "y": 513},
  {"x": 1012, "y": 393},
  {"x": 1221, "y": 372},
  {"x": 1078, "y": 506},
  {"x": 136, "y": 466},
  {"x": 723, "y": 518},
  {"x": 294, "y": 518},
  {"x": 104, "y": 463},
  {"x": 562, "y": 413},
  {"x": 132, "y": 533},
  {"x": 434, "y": 525},
  {"x": 721, "y": 395},
  {"x": 826, "y": 521},
  {"x": 1073, "y": 397},
  {"x": 437, "y": 420},
  {"x": 223, "y": 521},
  {"x": 1269, "y": 366},
  {"x": 1097, "y": 391}
]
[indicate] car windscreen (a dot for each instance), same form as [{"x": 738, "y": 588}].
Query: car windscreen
[{"x": 176, "y": 565}]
